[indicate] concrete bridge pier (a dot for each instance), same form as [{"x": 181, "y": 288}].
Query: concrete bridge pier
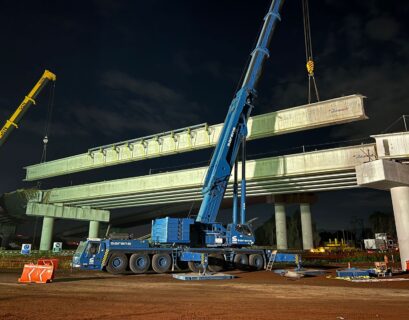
[
  {"x": 93, "y": 231},
  {"x": 50, "y": 212},
  {"x": 47, "y": 234},
  {"x": 400, "y": 203},
  {"x": 306, "y": 226},
  {"x": 281, "y": 226},
  {"x": 393, "y": 176}
]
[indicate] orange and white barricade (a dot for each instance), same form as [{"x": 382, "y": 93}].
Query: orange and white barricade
[{"x": 42, "y": 272}]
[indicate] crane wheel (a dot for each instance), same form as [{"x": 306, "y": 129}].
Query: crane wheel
[
  {"x": 117, "y": 263},
  {"x": 195, "y": 266},
  {"x": 216, "y": 262},
  {"x": 241, "y": 261},
  {"x": 256, "y": 261},
  {"x": 161, "y": 262},
  {"x": 139, "y": 263}
]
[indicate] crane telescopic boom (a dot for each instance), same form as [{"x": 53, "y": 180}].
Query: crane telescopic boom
[
  {"x": 203, "y": 242},
  {"x": 29, "y": 100},
  {"x": 235, "y": 125}
]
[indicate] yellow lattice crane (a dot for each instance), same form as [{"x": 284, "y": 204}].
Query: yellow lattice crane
[{"x": 29, "y": 100}]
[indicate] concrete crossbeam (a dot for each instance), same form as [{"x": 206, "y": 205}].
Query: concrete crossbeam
[
  {"x": 65, "y": 212},
  {"x": 302, "y": 172},
  {"x": 382, "y": 174},
  {"x": 320, "y": 114}
]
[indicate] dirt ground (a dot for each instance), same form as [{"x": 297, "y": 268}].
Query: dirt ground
[{"x": 251, "y": 295}]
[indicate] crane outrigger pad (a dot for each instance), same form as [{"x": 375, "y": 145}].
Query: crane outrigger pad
[{"x": 207, "y": 276}]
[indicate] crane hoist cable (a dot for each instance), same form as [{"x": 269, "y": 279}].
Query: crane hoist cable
[
  {"x": 308, "y": 51},
  {"x": 47, "y": 124}
]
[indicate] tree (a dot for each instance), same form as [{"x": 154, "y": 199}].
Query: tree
[
  {"x": 294, "y": 234},
  {"x": 381, "y": 222},
  {"x": 266, "y": 234}
]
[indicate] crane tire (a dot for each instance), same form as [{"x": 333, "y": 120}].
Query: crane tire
[
  {"x": 117, "y": 263},
  {"x": 216, "y": 262},
  {"x": 256, "y": 261},
  {"x": 139, "y": 263},
  {"x": 241, "y": 261},
  {"x": 161, "y": 262}
]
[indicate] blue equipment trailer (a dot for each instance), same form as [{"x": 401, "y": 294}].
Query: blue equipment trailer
[{"x": 175, "y": 242}]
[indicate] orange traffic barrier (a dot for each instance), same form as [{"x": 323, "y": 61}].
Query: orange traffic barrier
[
  {"x": 42, "y": 272},
  {"x": 53, "y": 262}
]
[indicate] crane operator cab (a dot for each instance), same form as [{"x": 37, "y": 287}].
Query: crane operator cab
[{"x": 89, "y": 254}]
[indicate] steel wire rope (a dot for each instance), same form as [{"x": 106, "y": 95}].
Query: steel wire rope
[{"x": 308, "y": 50}]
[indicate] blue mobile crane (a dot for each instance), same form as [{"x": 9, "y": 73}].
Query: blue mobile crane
[{"x": 175, "y": 242}]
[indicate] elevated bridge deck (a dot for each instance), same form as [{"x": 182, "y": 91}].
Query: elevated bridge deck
[{"x": 304, "y": 172}]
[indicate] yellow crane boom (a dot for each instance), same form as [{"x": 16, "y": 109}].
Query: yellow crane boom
[{"x": 29, "y": 100}]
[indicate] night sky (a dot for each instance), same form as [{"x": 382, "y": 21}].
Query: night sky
[{"x": 126, "y": 69}]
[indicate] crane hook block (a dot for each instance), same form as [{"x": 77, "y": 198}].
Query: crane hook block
[{"x": 310, "y": 67}]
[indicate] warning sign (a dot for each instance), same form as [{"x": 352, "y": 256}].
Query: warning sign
[
  {"x": 57, "y": 247},
  {"x": 26, "y": 248}
]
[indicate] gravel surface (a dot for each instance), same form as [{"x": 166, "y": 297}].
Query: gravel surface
[{"x": 251, "y": 295}]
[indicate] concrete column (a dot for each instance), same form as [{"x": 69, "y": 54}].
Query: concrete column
[
  {"x": 400, "y": 203},
  {"x": 93, "y": 229},
  {"x": 46, "y": 234},
  {"x": 306, "y": 226},
  {"x": 281, "y": 226}
]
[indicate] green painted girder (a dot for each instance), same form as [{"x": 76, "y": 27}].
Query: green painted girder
[
  {"x": 302, "y": 172},
  {"x": 330, "y": 186},
  {"x": 315, "y": 115},
  {"x": 66, "y": 212},
  {"x": 255, "y": 188}
]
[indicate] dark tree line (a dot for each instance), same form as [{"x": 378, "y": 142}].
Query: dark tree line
[
  {"x": 378, "y": 222},
  {"x": 266, "y": 234}
]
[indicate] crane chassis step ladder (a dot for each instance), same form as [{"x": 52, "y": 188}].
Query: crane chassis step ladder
[
  {"x": 284, "y": 258},
  {"x": 271, "y": 260},
  {"x": 175, "y": 260}
]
